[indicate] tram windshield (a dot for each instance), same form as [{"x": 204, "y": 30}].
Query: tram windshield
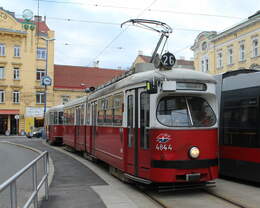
[{"x": 185, "y": 111}]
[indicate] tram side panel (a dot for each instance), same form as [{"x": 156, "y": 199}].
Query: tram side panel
[
  {"x": 109, "y": 146},
  {"x": 69, "y": 136},
  {"x": 80, "y": 138}
]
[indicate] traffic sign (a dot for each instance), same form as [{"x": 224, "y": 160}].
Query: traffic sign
[{"x": 46, "y": 81}]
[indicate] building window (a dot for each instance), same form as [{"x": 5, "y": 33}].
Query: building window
[
  {"x": 2, "y": 50},
  {"x": 41, "y": 53},
  {"x": 2, "y": 96},
  {"x": 40, "y": 97},
  {"x": 255, "y": 48},
  {"x": 16, "y": 74},
  {"x": 230, "y": 56},
  {"x": 219, "y": 60},
  {"x": 242, "y": 52},
  {"x": 65, "y": 99},
  {"x": 205, "y": 64},
  {"x": 2, "y": 72},
  {"x": 16, "y": 96},
  {"x": 16, "y": 51},
  {"x": 39, "y": 74},
  {"x": 204, "y": 46}
]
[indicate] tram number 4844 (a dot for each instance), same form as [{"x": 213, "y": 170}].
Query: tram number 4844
[{"x": 162, "y": 147}]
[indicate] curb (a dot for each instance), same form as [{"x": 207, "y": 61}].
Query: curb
[{"x": 41, "y": 194}]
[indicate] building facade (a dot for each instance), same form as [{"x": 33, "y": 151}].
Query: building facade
[
  {"x": 235, "y": 48},
  {"x": 26, "y": 51}
]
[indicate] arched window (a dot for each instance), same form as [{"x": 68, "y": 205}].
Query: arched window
[{"x": 204, "y": 46}]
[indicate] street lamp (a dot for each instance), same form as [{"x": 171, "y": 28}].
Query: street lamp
[{"x": 46, "y": 80}]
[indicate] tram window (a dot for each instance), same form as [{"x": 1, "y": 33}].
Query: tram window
[
  {"x": 172, "y": 111},
  {"x": 60, "y": 117},
  {"x": 100, "y": 115},
  {"x": 88, "y": 114},
  {"x": 82, "y": 115},
  {"x": 117, "y": 110},
  {"x": 130, "y": 119},
  {"x": 144, "y": 119},
  {"x": 240, "y": 123},
  {"x": 201, "y": 112},
  {"x": 109, "y": 111},
  {"x": 55, "y": 118},
  {"x": 51, "y": 118}
]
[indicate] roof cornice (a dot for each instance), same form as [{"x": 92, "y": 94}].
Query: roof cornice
[{"x": 235, "y": 28}]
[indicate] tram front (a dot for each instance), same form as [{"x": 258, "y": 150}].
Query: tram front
[{"x": 183, "y": 128}]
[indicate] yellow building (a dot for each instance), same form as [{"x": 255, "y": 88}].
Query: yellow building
[
  {"x": 23, "y": 57},
  {"x": 235, "y": 48}
]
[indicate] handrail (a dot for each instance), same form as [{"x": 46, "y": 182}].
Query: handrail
[{"x": 11, "y": 182}]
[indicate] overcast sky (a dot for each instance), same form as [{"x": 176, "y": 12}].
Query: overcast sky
[{"x": 94, "y": 33}]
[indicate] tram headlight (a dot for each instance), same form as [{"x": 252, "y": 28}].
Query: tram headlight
[{"x": 194, "y": 152}]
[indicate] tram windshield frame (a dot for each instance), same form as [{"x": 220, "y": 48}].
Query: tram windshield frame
[{"x": 185, "y": 111}]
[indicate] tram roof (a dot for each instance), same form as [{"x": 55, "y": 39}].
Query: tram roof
[
  {"x": 239, "y": 79},
  {"x": 176, "y": 74},
  {"x": 56, "y": 108},
  {"x": 75, "y": 102}
]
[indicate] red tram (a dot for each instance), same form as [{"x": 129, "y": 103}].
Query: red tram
[
  {"x": 151, "y": 125},
  {"x": 168, "y": 135},
  {"x": 240, "y": 124},
  {"x": 54, "y": 125}
]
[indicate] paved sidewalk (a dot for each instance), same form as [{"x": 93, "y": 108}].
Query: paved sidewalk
[{"x": 71, "y": 185}]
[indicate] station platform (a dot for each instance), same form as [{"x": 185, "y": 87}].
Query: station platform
[{"x": 78, "y": 183}]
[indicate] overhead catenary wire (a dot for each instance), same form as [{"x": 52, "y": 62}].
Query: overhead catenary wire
[
  {"x": 120, "y": 33},
  {"x": 111, "y": 23},
  {"x": 149, "y": 9}
]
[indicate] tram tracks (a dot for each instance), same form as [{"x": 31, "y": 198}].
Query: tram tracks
[
  {"x": 225, "y": 199},
  {"x": 200, "y": 198}
]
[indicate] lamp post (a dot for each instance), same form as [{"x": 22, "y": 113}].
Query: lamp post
[{"x": 46, "y": 80}]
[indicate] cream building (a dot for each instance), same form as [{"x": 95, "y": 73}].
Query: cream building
[
  {"x": 23, "y": 57},
  {"x": 235, "y": 48}
]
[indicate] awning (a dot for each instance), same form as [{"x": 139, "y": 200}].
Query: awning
[{"x": 9, "y": 112}]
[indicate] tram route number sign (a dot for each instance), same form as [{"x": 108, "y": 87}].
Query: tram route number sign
[{"x": 168, "y": 60}]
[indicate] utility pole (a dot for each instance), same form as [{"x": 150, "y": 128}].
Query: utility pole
[{"x": 46, "y": 80}]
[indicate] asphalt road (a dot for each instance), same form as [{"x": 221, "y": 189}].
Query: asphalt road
[{"x": 12, "y": 159}]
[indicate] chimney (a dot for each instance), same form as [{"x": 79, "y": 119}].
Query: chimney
[
  {"x": 44, "y": 18},
  {"x": 140, "y": 53},
  {"x": 96, "y": 63},
  {"x": 37, "y": 18}
]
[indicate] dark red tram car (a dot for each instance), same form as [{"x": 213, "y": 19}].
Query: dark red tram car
[
  {"x": 150, "y": 126},
  {"x": 54, "y": 124},
  {"x": 240, "y": 124}
]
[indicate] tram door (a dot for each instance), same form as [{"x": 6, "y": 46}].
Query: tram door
[
  {"x": 94, "y": 128},
  {"x": 138, "y": 114}
]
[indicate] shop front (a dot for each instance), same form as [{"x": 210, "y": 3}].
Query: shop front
[{"x": 9, "y": 122}]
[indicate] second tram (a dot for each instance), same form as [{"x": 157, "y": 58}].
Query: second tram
[
  {"x": 240, "y": 124},
  {"x": 54, "y": 125}
]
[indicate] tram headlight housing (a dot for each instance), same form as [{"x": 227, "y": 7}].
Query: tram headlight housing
[{"x": 194, "y": 152}]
